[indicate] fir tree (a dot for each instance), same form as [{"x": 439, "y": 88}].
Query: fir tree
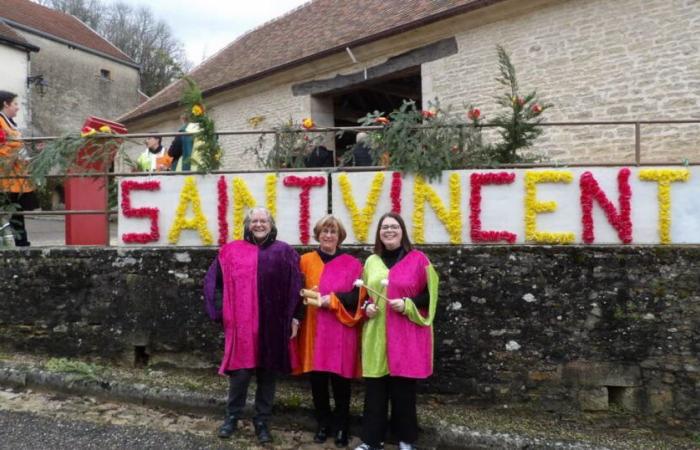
[{"x": 519, "y": 125}]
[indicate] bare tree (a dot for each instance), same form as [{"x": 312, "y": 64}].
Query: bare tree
[
  {"x": 138, "y": 33},
  {"x": 89, "y": 11}
]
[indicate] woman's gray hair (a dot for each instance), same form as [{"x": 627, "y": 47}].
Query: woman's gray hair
[{"x": 249, "y": 216}]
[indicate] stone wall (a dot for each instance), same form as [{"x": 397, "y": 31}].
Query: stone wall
[
  {"x": 76, "y": 88},
  {"x": 595, "y": 60},
  {"x": 590, "y": 328}
]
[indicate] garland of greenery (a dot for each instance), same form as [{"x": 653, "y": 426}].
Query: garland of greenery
[
  {"x": 207, "y": 142},
  {"x": 430, "y": 141},
  {"x": 291, "y": 147}
]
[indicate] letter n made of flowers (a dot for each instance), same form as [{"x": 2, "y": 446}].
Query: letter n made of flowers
[
  {"x": 621, "y": 221},
  {"x": 451, "y": 218}
]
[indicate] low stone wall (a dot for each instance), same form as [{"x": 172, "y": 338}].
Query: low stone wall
[{"x": 587, "y": 328}]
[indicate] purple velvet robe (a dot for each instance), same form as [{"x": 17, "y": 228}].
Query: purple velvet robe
[{"x": 261, "y": 294}]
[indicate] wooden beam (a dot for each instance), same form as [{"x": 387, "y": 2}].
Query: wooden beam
[{"x": 408, "y": 60}]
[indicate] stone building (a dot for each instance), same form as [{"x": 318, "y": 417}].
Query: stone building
[
  {"x": 76, "y": 73},
  {"x": 595, "y": 60},
  {"x": 15, "y": 54}
]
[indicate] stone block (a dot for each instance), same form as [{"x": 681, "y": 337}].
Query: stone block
[
  {"x": 539, "y": 376},
  {"x": 660, "y": 400},
  {"x": 593, "y": 399},
  {"x": 601, "y": 374}
]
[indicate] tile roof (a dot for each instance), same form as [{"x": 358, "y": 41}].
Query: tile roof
[
  {"x": 314, "y": 30},
  {"x": 7, "y": 34},
  {"x": 26, "y": 14}
]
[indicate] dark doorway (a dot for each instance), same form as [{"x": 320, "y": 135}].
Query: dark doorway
[{"x": 383, "y": 94}]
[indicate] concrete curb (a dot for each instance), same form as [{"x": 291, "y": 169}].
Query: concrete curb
[{"x": 446, "y": 436}]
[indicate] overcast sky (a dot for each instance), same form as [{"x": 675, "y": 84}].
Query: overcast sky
[{"x": 206, "y": 26}]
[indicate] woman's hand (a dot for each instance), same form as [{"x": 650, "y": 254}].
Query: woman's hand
[
  {"x": 371, "y": 310},
  {"x": 326, "y": 301},
  {"x": 397, "y": 304},
  {"x": 295, "y": 328}
]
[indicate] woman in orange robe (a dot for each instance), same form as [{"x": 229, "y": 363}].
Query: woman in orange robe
[
  {"x": 13, "y": 162},
  {"x": 329, "y": 336}
]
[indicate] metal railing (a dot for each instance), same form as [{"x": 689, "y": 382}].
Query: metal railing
[{"x": 636, "y": 124}]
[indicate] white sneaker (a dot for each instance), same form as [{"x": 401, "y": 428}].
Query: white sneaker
[
  {"x": 406, "y": 446},
  {"x": 364, "y": 446}
]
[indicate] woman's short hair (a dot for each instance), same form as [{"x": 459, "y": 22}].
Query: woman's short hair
[
  {"x": 249, "y": 217},
  {"x": 379, "y": 248},
  {"x": 330, "y": 221},
  {"x": 6, "y": 97},
  {"x": 158, "y": 138}
]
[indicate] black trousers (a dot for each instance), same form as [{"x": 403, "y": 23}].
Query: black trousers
[
  {"x": 238, "y": 392},
  {"x": 27, "y": 201},
  {"x": 379, "y": 393},
  {"x": 338, "y": 419}
]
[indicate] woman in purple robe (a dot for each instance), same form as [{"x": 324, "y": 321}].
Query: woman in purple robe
[{"x": 258, "y": 281}]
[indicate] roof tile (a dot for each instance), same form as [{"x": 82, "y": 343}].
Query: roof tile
[
  {"x": 310, "y": 31},
  {"x": 58, "y": 24},
  {"x": 10, "y": 35}
]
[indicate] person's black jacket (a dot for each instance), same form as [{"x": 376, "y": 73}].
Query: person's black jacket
[{"x": 319, "y": 157}]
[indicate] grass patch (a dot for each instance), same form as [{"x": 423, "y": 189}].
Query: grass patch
[
  {"x": 79, "y": 369},
  {"x": 193, "y": 385}
]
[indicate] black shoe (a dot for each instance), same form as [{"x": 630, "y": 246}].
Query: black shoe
[
  {"x": 341, "y": 439},
  {"x": 321, "y": 434},
  {"x": 228, "y": 428},
  {"x": 262, "y": 433}
]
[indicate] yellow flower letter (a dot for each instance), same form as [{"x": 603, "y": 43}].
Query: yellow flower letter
[
  {"x": 361, "y": 219},
  {"x": 664, "y": 177},
  {"x": 271, "y": 193},
  {"x": 452, "y": 218},
  {"x": 534, "y": 206},
  {"x": 242, "y": 198},
  {"x": 189, "y": 195}
]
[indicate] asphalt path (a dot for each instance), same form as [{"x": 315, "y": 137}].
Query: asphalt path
[{"x": 25, "y": 430}]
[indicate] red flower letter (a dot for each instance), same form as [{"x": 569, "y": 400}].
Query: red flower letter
[
  {"x": 622, "y": 221},
  {"x": 150, "y": 213},
  {"x": 478, "y": 180},
  {"x": 305, "y": 183},
  {"x": 223, "y": 207},
  {"x": 396, "y": 192}
]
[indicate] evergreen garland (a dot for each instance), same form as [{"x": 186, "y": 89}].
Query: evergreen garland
[
  {"x": 206, "y": 140},
  {"x": 430, "y": 141},
  {"x": 518, "y": 125},
  {"x": 291, "y": 146}
]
